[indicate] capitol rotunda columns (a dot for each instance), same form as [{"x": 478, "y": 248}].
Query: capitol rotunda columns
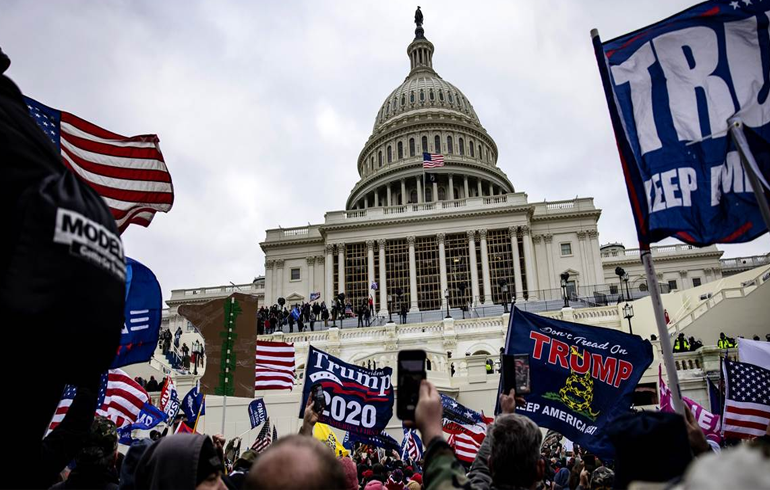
[
  {"x": 412, "y": 276},
  {"x": 474, "y": 267},
  {"x": 485, "y": 268},
  {"x": 514, "y": 234}
]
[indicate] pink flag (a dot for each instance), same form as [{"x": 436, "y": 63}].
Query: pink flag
[{"x": 707, "y": 421}]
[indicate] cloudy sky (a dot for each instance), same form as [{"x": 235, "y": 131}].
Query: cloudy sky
[{"x": 263, "y": 107}]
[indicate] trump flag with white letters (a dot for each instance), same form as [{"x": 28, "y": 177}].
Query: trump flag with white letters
[{"x": 671, "y": 87}]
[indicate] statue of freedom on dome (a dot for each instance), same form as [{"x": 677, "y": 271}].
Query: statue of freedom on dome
[{"x": 418, "y": 17}]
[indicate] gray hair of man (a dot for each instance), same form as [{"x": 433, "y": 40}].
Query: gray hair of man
[{"x": 514, "y": 458}]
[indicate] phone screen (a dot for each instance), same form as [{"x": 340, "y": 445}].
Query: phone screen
[
  {"x": 516, "y": 374},
  {"x": 411, "y": 372},
  {"x": 319, "y": 400}
]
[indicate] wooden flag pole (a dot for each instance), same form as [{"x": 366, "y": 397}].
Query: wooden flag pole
[
  {"x": 749, "y": 166},
  {"x": 663, "y": 335}
]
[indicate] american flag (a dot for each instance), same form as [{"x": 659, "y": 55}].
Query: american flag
[
  {"x": 465, "y": 446},
  {"x": 747, "y": 400},
  {"x": 120, "y": 399},
  {"x": 264, "y": 438},
  {"x": 466, "y": 439},
  {"x": 128, "y": 172},
  {"x": 412, "y": 446},
  {"x": 274, "y": 366},
  {"x": 432, "y": 160}
]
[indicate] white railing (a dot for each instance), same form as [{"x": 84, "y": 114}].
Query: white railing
[
  {"x": 496, "y": 200},
  {"x": 665, "y": 249},
  {"x": 561, "y": 205},
  {"x": 459, "y": 203},
  {"x": 356, "y": 214},
  {"x": 295, "y": 231},
  {"x": 395, "y": 210}
]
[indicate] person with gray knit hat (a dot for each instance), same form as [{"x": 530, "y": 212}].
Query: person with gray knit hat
[
  {"x": 95, "y": 463},
  {"x": 602, "y": 478}
]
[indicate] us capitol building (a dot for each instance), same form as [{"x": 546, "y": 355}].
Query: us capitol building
[
  {"x": 465, "y": 236},
  {"x": 462, "y": 233}
]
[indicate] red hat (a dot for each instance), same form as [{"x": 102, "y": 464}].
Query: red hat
[
  {"x": 367, "y": 473},
  {"x": 417, "y": 477}
]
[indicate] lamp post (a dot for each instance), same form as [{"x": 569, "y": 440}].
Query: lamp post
[
  {"x": 628, "y": 313},
  {"x": 446, "y": 296},
  {"x": 390, "y": 308},
  {"x": 564, "y": 278},
  {"x": 504, "y": 287}
]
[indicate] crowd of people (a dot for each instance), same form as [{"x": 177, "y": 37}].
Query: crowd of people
[
  {"x": 654, "y": 447},
  {"x": 691, "y": 344},
  {"x": 305, "y": 315}
]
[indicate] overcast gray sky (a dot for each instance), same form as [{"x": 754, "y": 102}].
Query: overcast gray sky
[{"x": 263, "y": 107}]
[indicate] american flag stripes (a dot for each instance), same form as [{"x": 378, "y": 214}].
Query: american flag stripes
[
  {"x": 465, "y": 446},
  {"x": 128, "y": 172},
  {"x": 747, "y": 403},
  {"x": 274, "y": 366},
  {"x": 264, "y": 438},
  {"x": 120, "y": 399},
  {"x": 411, "y": 446},
  {"x": 432, "y": 160}
]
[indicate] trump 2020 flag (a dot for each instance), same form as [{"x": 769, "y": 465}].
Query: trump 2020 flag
[
  {"x": 193, "y": 405},
  {"x": 257, "y": 412},
  {"x": 671, "y": 88},
  {"x": 358, "y": 400},
  {"x": 582, "y": 377},
  {"x": 143, "y": 310}
]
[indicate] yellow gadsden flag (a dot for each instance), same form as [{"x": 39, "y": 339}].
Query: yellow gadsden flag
[{"x": 324, "y": 433}]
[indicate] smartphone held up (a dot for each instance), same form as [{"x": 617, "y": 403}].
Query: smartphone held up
[
  {"x": 516, "y": 374},
  {"x": 411, "y": 372}
]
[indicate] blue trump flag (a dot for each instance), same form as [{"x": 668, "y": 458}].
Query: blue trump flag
[
  {"x": 582, "y": 377},
  {"x": 257, "y": 412},
  {"x": 148, "y": 417},
  {"x": 141, "y": 316},
  {"x": 193, "y": 404},
  {"x": 358, "y": 400},
  {"x": 671, "y": 88}
]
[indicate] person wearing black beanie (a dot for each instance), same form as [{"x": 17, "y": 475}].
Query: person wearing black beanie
[{"x": 181, "y": 461}]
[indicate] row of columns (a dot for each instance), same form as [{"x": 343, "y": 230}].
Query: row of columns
[
  {"x": 450, "y": 195},
  {"x": 515, "y": 232}
]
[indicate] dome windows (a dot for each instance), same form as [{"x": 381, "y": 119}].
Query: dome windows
[
  {"x": 390, "y": 154},
  {"x": 441, "y": 95},
  {"x": 411, "y": 147},
  {"x": 431, "y": 95},
  {"x": 462, "y": 146},
  {"x": 400, "y": 150},
  {"x": 441, "y": 194},
  {"x": 387, "y": 111},
  {"x": 424, "y": 146},
  {"x": 470, "y": 147},
  {"x": 411, "y": 97},
  {"x": 437, "y": 144},
  {"x": 422, "y": 95},
  {"x": 403, "y": 100},
  {"x": 379, "y": 158},
  {"x": 481, "y": 153},
  {"x": 413, "y": 196},
  {"x": 449, "y": 145},
  {"x": 451, "y": 100}
]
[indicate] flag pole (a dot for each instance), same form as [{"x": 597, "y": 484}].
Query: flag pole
[
  {"x": 198, "y": 416},
  {"x": 749, "y": 166},
  {"x": 660, "y": 320}
]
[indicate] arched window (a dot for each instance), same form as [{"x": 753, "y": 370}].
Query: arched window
[
  {"x": 437, "y": 144},
  {"x": 470, "y": 147},
  {"x": 441, "y": 194},
  {"x": 449, "y": 146},
  {"x": 462, "y": 147},
  {"x": 411, "y": 96},
  {"x": 424, "y": 144},
  {"x": 379, "y": 157},
  {"x": 428, "y": 194},
  {"x": 388, "y": 111},
  {"x": 403, "y": 100},
  {"x": 413, "y": 196},
  {"x": 441, "y": 95},
  {"x": 411, "y": 147},
  {"x": 450, "y": 97},
  {"x": 400, "y": 150},
  {"x": 390, "y": 154},
  {"x": 422, "y": 95},
  {"x": 371, "y": 165},
  {"x": 457, "y": 193},
  {"x": 431, "y": 95},
  {"x": 481, "y": 153}
]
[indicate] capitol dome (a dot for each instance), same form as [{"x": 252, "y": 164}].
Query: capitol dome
[{"x": 426, "y": 114}]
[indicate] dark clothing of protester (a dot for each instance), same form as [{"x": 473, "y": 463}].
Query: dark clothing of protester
[
  {"x": 90, "y": 478},
  {"x": 181, "y": 461},
  {"x": 131, "y": 461},
  {"x": 152, "y": 385}
]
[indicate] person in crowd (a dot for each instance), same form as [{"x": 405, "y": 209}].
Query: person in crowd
[
  {"x": 681, "y": 344},
  {"x": 404, "y": 310},
  {"x": 152, "y": 385},
  {"x": 361, "y": 313},
  {"x": 313, "y": 316},
  {"x": 291, "y": 323},
  {"x": 241, "y": 467},
  {"x": 370, "y": 302},
  {"x": 95, "y": 463},
  {"x": 180, "y": 461},
  {"x": 185, "y": 356},
  {"x": 325, "y": 314},
  {"x": 695, "y": 344}
]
